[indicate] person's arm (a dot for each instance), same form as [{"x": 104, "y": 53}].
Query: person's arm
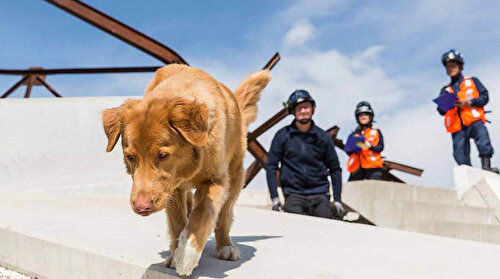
[
  {"x": 483, "y": 98},
  {"x": 273, "y": 158},
  {"x": 380, "y": 146},
  {"x": 443, "y": 91},
  {"x": 332, "y": 162}
]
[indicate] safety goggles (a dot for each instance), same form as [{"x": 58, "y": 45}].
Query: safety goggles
[{"x": 297, "y": 94}]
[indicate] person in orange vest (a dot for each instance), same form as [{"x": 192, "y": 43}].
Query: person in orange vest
[
  {"x": 365, "y": 160},
  {"x": 466, "y": 119}
]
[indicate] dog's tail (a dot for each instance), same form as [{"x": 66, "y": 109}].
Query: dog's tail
[{"x": 248, "y": 94}]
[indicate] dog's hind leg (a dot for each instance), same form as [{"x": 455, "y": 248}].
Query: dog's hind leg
[
  {"x": 177, "y": 212},
  {"x": 225, "y": 249}
]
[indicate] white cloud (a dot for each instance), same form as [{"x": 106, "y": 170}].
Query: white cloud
[{"x": 299, "y": 34}]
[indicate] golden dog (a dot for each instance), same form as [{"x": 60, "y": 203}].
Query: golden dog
[{"x": 189, "y": 131}]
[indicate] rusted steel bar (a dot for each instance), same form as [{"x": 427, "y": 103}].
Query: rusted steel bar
[
  {"x": 52, "y": 90},
  {"x": 109, "y": 70},
  {"x": 272, "y": 62},
  {"x": 258, "y": 151},
  {"x": 14, "y": 87},
  {"x": 333, "y": 131},
  {"x": 252, "y": 171},
  {"x": 404, "y": 168},
  {"x": 29, "y": 86},
  {"x": 268, "y": 124},
  {"x": 119, "y": 30}
]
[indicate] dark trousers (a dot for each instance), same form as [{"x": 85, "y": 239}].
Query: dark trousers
[
  {"x": 313, "y": 205},
  {"x": 461, "y": 142},
  {"x": 361, "y": 174}
]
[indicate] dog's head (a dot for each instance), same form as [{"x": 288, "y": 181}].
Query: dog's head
[{"x": 161, "y": 140}]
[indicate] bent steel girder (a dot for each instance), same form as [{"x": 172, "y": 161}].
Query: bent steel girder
[{"x": 119, "y": 30}]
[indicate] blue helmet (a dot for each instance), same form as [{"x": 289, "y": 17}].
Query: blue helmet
[
  {"x": 452, "y": 55},
  {"x": 298, "y": 96}
]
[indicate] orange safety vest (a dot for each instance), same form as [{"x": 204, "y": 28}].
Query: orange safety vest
[
  {"x": 366, "y": 158},
  {"x": 467, "y": 92}
]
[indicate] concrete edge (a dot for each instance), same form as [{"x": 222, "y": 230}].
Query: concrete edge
[{"x": 35, "y": 257}]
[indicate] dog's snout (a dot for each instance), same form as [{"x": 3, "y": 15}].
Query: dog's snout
[{"x": 143, "y": 204}]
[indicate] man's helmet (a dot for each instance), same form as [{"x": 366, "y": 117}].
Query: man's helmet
[
  {"x": 452, "y": 55},
  {"x": 297, "y": 97},
  {"x": 364, "y": 107}
]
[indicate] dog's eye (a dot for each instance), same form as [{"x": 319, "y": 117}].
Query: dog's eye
[
  {"x": 162, "y": 156},
  {"x": 130, "y": 157}
]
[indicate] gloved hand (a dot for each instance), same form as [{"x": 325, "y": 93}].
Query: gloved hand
[
  {"x": 363, "y": 144},
  {"x": 339, "y": 208},
  {"x": 277, "y": 204}
]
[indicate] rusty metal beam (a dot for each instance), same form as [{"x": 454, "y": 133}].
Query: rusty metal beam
[
  {"x": 14, "y": 87},
  {"x": 333, "y": 131},
  {"x": 252, "y": 171},
  {"x": 258, "y": 151},
  {"x": 390, "y": 165},
  {"x": 119, "y": 30},
  {"x": 52, "y": 90},
  {"x": 268, "y": 124},
  {"x": 31, "y": 80},
  {"x": 109, "y": 70},
  {"x": 272, "y": 62}
]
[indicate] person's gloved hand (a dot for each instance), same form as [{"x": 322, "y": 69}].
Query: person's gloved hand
[
  {"x": 339, "y": 208},
  {"x": 277, "y": 204}
]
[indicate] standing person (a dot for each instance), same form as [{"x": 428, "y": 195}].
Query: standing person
[
  {"x": 365, "y": 160},
  {"x": 466, "y": 119},
  {"x": 307, "y": 156}
]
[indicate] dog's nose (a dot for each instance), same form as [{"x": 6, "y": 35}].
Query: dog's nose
[{"x": 143, "y": 204}]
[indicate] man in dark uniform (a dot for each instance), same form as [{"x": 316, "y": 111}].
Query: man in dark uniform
[{"x": 307, "y": 156}]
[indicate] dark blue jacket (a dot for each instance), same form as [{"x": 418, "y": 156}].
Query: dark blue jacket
[
  {"x": 306, "y": 161},
  {"x": 455, "y": 82}
]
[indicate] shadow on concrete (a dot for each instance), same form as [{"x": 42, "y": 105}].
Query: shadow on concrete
[{"x": 209, "y": 265}]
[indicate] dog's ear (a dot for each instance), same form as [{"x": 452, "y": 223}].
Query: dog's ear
[
  {"x": 190, "y": 120},
  {"x": 112, "y": 122}
]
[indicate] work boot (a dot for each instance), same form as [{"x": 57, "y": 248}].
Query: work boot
[{"x": 486, "y": 165}]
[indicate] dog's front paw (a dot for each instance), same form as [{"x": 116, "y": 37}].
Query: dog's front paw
[
  {"x": 229, "y": 253},
  {"x": 186, "y": 256},
  {"x": 169, "y": 262}
]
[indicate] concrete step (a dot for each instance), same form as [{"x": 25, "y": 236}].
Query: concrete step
[
  {"x": 477, "y": 232},
  {"x": 395, "y": 214},
  {"x": 99, "y": 237},
  {"x": 359, "y": 195},
  {"x": 358, "y": 192}
]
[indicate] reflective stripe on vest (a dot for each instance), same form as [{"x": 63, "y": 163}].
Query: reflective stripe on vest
[{"x": 466, "y": 92}]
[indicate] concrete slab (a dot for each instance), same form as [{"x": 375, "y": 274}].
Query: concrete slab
[
  {"x": 466, "y": 177},
  {"x": 359, "y": 195},
  {"x": 477, "y": 232},
  {"x": 61, "y": 236},
  {"x": 58, "y": 143},
  {"x": 394, "y": 214}
]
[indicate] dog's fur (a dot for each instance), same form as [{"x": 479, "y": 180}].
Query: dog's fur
[{"x": 200, "y": 129}]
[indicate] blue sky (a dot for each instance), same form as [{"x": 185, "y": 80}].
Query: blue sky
[{"x": 386, "y": 52}]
